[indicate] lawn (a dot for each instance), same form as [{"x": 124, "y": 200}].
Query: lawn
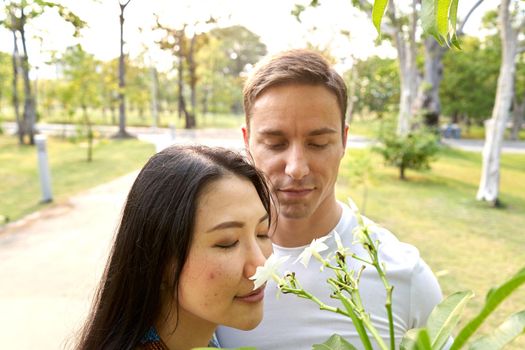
[
  {"x": 468, "y": 244},
  {"x": 70, "y": 173},
  {"x": 134, "y": 118},
  {"x": 369, "y": 126}
]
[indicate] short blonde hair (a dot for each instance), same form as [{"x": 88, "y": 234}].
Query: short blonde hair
[{"x": 298, "y": 66}]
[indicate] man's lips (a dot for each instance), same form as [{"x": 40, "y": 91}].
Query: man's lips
[
  {"x": 295, "y": 192},
  {"x": 254, "y": 296}
]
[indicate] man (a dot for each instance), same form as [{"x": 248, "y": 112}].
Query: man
[{"x": 295, "y": 132}]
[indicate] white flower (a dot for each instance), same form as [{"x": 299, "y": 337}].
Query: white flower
[
  {"x": 268, "y": 271},
  {"x": 359, "y": 235},
  {"x": 314, "y": 249}
]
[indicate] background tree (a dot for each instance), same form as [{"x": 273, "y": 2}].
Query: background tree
[
  {"x": 470, "y": 77},
  {"x": 185, "y": 44},
  {"x": 108, "y": 88},
  {"x": 122, "y": 133},
  {"x": 80, "y": 71},
  {"x": 18, "y": 15},
  {"x": 377, "y": 86},
  {"x": 6, "y": 76},
  {"x": 225, "y": 58},
  {"x": 511, "y": 22},
  {"x": 518, "y": 106},
  {"x": 428, "y": 104}
]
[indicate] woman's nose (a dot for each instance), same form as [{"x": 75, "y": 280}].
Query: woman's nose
[{"x": 254, "y": 257}]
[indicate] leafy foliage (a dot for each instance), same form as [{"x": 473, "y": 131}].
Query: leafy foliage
[
  {"x": 470, "y": 76},
  {"x": 376, "y": 85},
  {"x": 414, "y": 151}
]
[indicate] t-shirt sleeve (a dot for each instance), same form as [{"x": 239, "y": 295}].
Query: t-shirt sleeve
[{"x": 425, "y": 294}]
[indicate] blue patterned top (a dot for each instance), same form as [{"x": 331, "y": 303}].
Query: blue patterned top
[{"x": 152, "y": 337}]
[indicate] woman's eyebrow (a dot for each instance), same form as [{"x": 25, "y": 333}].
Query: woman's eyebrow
[{"x": 233, "y": 224}]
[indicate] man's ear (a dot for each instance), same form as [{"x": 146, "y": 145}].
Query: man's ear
[{"x": 246, "y": 138}]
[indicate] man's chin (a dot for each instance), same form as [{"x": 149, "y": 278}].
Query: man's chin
[{"x": 294, "y": 211}]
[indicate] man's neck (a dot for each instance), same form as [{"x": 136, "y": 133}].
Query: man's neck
[{"x": 300, "y": 232}]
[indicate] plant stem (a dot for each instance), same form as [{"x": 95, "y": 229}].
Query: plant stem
[{"x": 357, "y": 321}]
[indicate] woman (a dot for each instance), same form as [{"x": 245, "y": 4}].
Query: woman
[{"x": 194, "y": 228}]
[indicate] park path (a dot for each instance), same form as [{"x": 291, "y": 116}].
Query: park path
[
  {"x": 52, "y": 260},
  {"x": 50, "y": 263}
]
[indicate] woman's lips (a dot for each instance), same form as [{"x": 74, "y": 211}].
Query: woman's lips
[{"x": 254, "y": 297}]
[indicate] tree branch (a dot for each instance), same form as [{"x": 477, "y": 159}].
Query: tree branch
[{"x": 462, "y": 24}]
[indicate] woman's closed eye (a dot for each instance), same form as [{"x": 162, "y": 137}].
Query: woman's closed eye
[{"x": 227, "y": 245}]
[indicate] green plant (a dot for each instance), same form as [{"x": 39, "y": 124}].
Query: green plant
[
  {"x": 414, "y": 151},
  {"x": 440, "y": 325}
]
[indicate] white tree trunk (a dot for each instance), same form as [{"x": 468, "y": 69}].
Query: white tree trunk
[
  {"x": 495, "y": 127},
  {"x": 405, "y": 42},
  {"x": 427, "y": 103}
]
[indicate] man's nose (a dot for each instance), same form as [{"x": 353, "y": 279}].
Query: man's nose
[{"x": 296, "y": 163}]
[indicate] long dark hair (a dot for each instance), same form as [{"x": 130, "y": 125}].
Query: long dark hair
[{"x": 155, "y": 234}]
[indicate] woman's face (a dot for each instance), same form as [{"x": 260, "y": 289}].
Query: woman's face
[{"x": 229, "y": 242}]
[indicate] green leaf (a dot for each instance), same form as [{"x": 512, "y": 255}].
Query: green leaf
[
  {"x": 416, "y": 339},
  {"x": 442, "y": 12},
  {"x": 453, "y": 15},
  {"x": 455, "y": 42},
  {"x": 423, "y": 340},
  {"x": 409, "y": 340},
  {"x": 335, "y": 342},
  {"x": 445, "y": 317},
  {"x": 494, "y": 298},
  {"x": 378, "y": 11},
  {"x": 428, "y": 20},
  {"x": 296, "y": 12},
  {"x": 504, "y": 334}
]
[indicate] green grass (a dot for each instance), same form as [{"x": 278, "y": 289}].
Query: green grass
[
  {"x": 467, "y": 243},
  {"x": 369, "y": 126},
  {"x": 134, "y": 118},
  {"x": 70, "y": 173}
]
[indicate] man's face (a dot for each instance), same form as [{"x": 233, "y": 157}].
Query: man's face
[{"x": 295, "y": 138}]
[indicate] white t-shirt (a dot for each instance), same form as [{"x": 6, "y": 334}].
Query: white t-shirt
[{"x": 293, "y": 323}]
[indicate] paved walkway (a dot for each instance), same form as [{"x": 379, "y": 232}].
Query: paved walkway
[{"x": 50, "y": 264}]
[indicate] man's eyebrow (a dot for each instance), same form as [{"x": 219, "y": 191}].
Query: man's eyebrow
[
  {"x": 233, "y": 224},
  {"x": 316, "y": 132},
  {"x": 323, "y": 131}
]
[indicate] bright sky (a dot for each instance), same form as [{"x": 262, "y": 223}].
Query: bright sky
[{"x": 270, "y": 19}]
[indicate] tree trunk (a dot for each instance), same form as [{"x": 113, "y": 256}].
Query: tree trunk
[
  {"x": 122, "y": 133},
  {"x": 16, "y": 102},
  {"x": 154, "y": 97},
  {"x": 351, "y": 94},
  {"x": 191, "y": 123},
  {"x": 428, "y": 104},
  {"x": 29, "y": 102},
  {"x": 89, "y": 134},
  {"x": 405, "y": 44},
  {"x": 495, "y": 127},
  {"x": 518, "y": 111},
  {"x": 180, "y": 82}
]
